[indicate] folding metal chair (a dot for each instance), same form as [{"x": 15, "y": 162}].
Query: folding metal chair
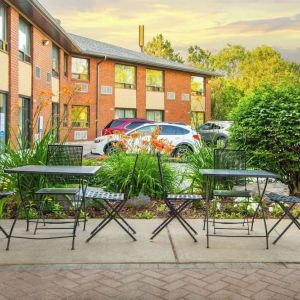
[
  {"x": 4, "y": 195},
  {"x": 113, "y": 203},
  {"x": 61, "y": 155},
  {"x": 286, "y": 203},
  {"x": 176, "y": 203},
  {"x": 226, "y": 187}
]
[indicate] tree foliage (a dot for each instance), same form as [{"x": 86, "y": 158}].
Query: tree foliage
[
  {"x": 243, "y": 71},
  {"x": 161, "y": 47},
  {"x": 267, "y": 126}
]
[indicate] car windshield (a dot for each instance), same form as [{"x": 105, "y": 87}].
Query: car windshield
[
  {"x": 115, "y": 123},
  {"x": 145, "y": 130},
  {"x": 134, "y": 125}
]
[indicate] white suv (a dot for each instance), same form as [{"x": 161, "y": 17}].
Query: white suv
[{"x": 183, "y": 138}]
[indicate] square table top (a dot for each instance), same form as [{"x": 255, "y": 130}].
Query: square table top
[
  {"x": 77, "y": 171},
  {"x": 238, "y": 173}
]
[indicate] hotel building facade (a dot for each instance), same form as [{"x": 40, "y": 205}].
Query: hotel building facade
[{"x": 38, "y": 57}]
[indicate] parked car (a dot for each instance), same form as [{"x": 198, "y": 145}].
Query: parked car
[
  {"x": 183, "y": 138},
  {"x": 123, "y": 125},
  {"x": 215, "y": 132}
]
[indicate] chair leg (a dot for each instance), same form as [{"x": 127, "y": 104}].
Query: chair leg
[{"x": 41, "y": 207}]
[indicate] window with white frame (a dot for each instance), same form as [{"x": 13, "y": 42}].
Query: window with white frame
[
  {"x": 155, "y": 115},
  {"x": 80, "y": 68},
  {"x": 125, "y": 76},
  {"x": 24, "y": 41},
  {"x": 3, "y": 27},
  {"x": 197, "y": 86}
]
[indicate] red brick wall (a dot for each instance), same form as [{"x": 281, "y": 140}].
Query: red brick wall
[
  {"x": 106, "y": 102},
  {"x": 41, "y": 90},
  {"x": 177, "y": 110},
  {"x": 13, "y": 36}
]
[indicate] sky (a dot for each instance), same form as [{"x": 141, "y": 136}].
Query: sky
[{"x": 210, "y": 24}]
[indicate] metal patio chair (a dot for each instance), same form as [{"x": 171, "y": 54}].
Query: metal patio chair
[
  {"x": 2, "y": 196},
  {"x": 176, "y": 203},
  {"x": 286, "y": 203},
  {"x": 113, "y": 203},
  {"x": 224, "y": 187},
  {"x": 66, "y": 197}
]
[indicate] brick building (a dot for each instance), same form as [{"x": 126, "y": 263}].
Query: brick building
[{"x": 38, "y": 58}]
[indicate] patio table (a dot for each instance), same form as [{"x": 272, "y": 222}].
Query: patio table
[
  {"x": 210, "y": 174},
  {"x": 83, "y": 173}
]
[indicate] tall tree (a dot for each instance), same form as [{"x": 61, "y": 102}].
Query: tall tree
[
  {"x": 199, "y": 57},
  {"x": 161, "y": 47}
]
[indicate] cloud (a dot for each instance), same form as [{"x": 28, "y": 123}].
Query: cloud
[{"x": 261, "y": 26}]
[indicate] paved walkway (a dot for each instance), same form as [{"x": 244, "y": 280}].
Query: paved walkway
[
  {"x": 197, "y": 282},
  {"x": 172, "y": 266}
]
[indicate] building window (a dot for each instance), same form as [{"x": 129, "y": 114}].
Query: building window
[
  {"x": 65, "y": 116},
  {"x": 125, "y": 113},
  {"x": 24, "y": 41},
  {"x": 80, "y": 68},
  {"x": 154, "y": 80},
  {"x": 80, "y": 116},
  {"x": 155, "y": 115},
  {"x": 66, "y": 64},
  {"x": 3, "y": 120},
  {"x": 197, "y": 86},
  {"x": 55, "y": 59},
  {"x": 24, "y": 118},
  {"x": 3, "y": 27},
  {"x": 125, "y": 77}
]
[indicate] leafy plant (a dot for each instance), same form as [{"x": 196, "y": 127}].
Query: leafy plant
[
  {"x": 201, "y": 158},
  {"x": 146, "y": 214},
  {"x": 267, "y": 126},
  {"x": 115, "y": 175}
]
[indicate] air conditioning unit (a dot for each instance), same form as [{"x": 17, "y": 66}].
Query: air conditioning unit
[
  {"x": 171, "y": 95},
  {"x": 80, "y": 135},
  {"x": 106, "y": 90},
  {"x": 185, "y": 97},
  {"x": 82, "y": 87}
]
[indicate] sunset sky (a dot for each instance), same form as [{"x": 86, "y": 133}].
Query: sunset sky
[{"x": 211, "y": 24}]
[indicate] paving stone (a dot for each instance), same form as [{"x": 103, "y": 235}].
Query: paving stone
[{"x": 151, "y": 282}]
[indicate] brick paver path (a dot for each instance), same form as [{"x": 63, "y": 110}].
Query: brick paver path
[{"x": 150, "y": 282}]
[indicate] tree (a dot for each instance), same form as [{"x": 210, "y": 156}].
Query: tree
[
  {"x": 199, "y": 57},
  {"x": 161, "y": 47},
  {"x": 267, "y": 126}
]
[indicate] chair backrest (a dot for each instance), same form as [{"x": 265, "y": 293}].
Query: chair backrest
[
  {"x": 64, "y": 155},
  {"x": 161, "y": 174},
  {"x": 232, "y": 160},
  {"x": 132, "y": 174}
]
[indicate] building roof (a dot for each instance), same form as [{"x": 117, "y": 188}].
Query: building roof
[{"x": 101, "y": 49}]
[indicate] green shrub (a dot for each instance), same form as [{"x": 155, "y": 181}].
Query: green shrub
[
  {"x": 115, "y": 171},
  {"x": 267, "y": 126},
  {"x": 202, "y": 158}
]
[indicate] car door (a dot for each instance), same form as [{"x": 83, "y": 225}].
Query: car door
[
  {"x": 143, "y": 138},
  {"x": 206, "y": 130}
]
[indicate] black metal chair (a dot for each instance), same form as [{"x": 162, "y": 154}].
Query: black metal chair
[
  {"x": 69, "y": 197},
  {"x": 2, "y": 196},
  {"x": 113, "y": 203},
  {"x": 224, "y": 187},
  {"x": 286, "y": 203},
  {"x": 176, "y": 203}
]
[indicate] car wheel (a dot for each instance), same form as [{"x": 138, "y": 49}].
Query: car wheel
[
  {"x": 221, "y": 142},
  {"x": 110, "y": 149},
  {"x": 182, "y": 151}
]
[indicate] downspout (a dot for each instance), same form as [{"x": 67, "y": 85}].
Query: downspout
[{"x": 97, "y": 93}]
